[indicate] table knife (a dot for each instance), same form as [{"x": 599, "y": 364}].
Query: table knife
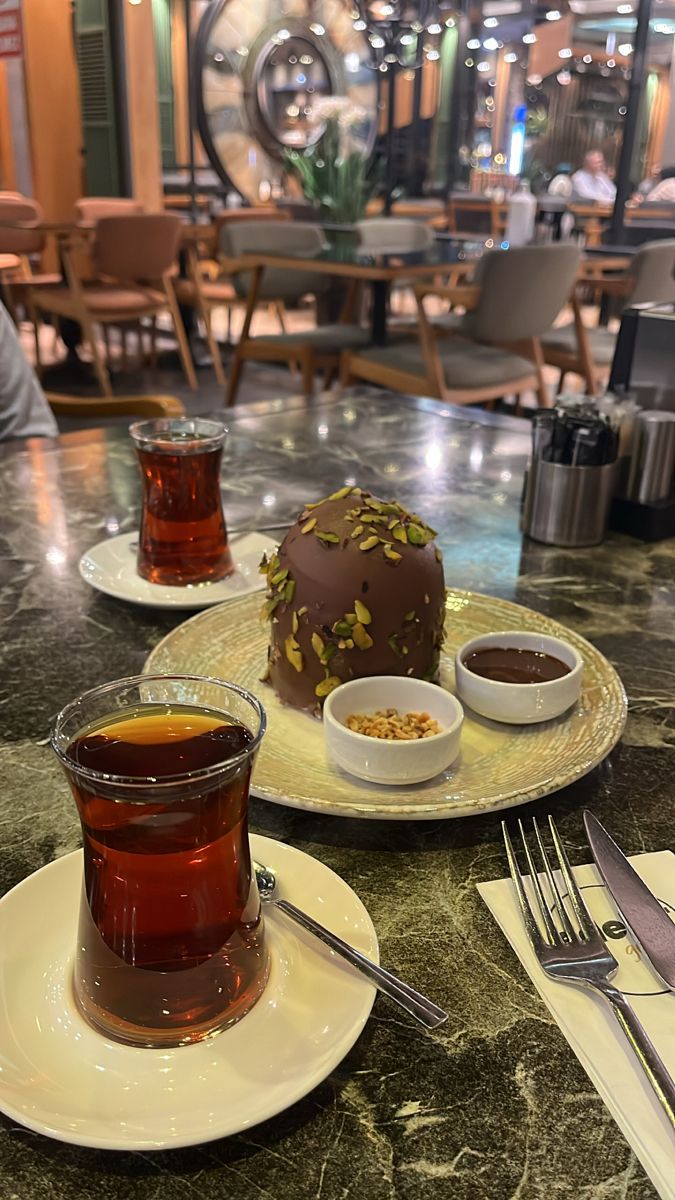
[{"x": 641, "y": 911}]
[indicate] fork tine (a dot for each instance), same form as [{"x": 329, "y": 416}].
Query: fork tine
[
  {"x": 586, "y": 923},
  {"x": 555, "y": 891},
  {"x": 553, "y": 936},
  {"x": 531, "y": 927}
]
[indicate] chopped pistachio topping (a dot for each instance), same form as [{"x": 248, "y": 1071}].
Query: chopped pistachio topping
[
  {"x": 399, "y": 533},
  {"x": 410, "y": 616},
  {"x": 309, "y": 525},
  {"x": 392, "y": 555},
  {"x": 369, "y": 543},
  {"x": 357, "y": 532},
  {"x": 361, "y": 637},
  {"x": 362, "y": 613},
  {"x": 289, "y": 590},
  {"x": 327, "y": 685},
  {"x": 279, "y": 576},
  {"x": 343, "y": 628},
  {"x": 326, "y": 537},
  {"x": 351, "y": 618},
  {"x": 317, "y": 645},
  {"x": 294, "y": 623},
  {"x": 393, "y": 644},
  {"x": 294, "y": 653},
  {"x": 340, "y": 495}
]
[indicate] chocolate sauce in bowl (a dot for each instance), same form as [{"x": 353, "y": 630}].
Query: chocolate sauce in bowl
[{"x": 506, "y": 664}]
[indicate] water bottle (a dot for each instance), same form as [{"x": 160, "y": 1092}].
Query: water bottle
[{"x": 521, "y": 216}]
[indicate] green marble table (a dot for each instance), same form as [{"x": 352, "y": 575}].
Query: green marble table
[{"x": 493, "y": 1105}]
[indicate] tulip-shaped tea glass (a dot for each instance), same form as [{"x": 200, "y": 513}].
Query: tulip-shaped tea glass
[
  {"x": 171, "y": 944},
  {"x": 183, "y": 536}
]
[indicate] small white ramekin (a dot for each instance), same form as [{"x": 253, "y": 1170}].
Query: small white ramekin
[
  {"x": 519, "y": 703},
  {"x": 380, "y": 761}
]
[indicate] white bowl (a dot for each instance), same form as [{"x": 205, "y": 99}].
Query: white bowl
[
  {"x": 519, "y": 703},
  {"x": 381, "y": 761}
]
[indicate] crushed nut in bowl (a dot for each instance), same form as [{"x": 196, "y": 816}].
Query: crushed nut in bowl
[{"x": 388, "y": 723}]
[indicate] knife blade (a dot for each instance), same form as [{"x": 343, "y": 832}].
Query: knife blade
[{"x": 641, "y": 911}]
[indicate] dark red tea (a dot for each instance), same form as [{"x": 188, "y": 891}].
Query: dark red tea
[
  {"x": 170, "y": 932},
  {"x": 183, "y": 537}
]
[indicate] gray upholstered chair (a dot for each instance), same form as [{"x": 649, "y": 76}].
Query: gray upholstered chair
[
  {"x": 393, "y": 235},
  {"x": 314, "y": 349},
  {"x": 493, "y": 349},
  {"x": 589, "y": 351}
]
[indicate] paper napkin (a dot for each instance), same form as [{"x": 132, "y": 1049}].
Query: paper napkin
[{"x": 587, "y": 1021}]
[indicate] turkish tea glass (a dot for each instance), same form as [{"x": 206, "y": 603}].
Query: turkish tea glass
[
  {"x": 171, "y": 944},
  {"x": 183, "y": 535}
]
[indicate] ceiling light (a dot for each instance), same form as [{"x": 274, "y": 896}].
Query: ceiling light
[
  {"x": 360, "y": 26},
  {"x": 473, "y": 44},
  {"x": 588, "y": 58},
  {"x": 483, "y": 66},
  {"x": 435, "y": 28},
  {"x": 624, "y": 8},
  {"x": 529, "y": 38},
  {"x": 565, "y": 53},
  {"x": 317, "y": 28},
  {"x": 432, "y": 55},
  {"x": 490, "y": 44},
  {"x": 564, "y": 78},
  {"x": 553, "y": 15},
  {"x": 468, "y": 62},
  {"x": 510, "y": 57},
  {"x": 625, "y": 48},
  {"x": 491, "y": 22},
  {"x": 449, "y": 24},
  {"x": 611, "y": 62}
]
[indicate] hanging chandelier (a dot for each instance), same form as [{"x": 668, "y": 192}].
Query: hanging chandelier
[{"x": 401, "y": 33}]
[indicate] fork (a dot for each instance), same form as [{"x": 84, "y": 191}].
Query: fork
[{"x": 578, "y": 954}]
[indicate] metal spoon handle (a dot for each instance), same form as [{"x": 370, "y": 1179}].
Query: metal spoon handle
[{"x": 413, "y": 1002}]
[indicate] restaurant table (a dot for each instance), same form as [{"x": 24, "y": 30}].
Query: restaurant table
[
  {"x": 493, "y": 1104},
  {"x": 441, "y": 258}
]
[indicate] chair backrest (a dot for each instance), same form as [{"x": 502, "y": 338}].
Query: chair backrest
[
  {"x": 522, "y": 291},
  {"x": 90, "y": 209},
  {"x": 13, "y": 208},
  {"x": 136, "y": 247},
  {"x": 653, "y": 271},
  {"x": 392, "y": 235},
  {"x": 299, "y": 238}
]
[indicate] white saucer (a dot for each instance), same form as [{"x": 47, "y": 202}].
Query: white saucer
[
  {"x": 110, "y": 567},
  {"x": 60, "y": 1078}
]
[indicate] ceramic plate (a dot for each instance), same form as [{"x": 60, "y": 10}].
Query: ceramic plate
[
  {"x": 61, "y": 1078},
  {"x": 110, "y": 567},
  {"x": 499, "y": 765}
]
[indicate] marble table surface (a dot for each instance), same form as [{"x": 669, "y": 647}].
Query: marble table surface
[{"x": 493, "y": 1105}]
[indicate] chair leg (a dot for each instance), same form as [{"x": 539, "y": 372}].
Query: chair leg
[
  {"x": 214, "y": 349},
  {"x": 307, "y": 365},
  {"x": 345, "y": 369},
  {"x": 153, "y": 342},
  {"x": 35, "y": 321},
  {"x": 106, "y": 343},
  {"x": 281, "y": 314},
  {"x": 234, "y": 378},
  {"x": 181, "y": 337},
  {"x": 99, "y": 365},
  {"x": 563, "y": 377}
]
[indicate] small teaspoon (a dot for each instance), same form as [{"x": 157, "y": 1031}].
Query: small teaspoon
[{"x": 413, "y": 1002}]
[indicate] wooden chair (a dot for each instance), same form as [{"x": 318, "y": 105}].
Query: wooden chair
[
  {"x": 18, "y": 248},
  {"x": 313, "y": 349},
  {"x": 206, "y": 286},
  {"x": 494, "y": 349},
  {"x": 112, "y": 406},
  {"x": 135, "y": 261},
  {"x": 476, "y": 216},
  {"x": 91, "y": 209},
  {"x": 589, "y": 351}
]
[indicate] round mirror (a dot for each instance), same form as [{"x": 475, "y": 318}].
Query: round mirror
[
  {"x": 291, "y": 78},
  {"x": 259, "y": 70}
]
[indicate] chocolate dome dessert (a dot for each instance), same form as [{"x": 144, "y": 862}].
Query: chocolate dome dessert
[{"x": 356, "y": 588}]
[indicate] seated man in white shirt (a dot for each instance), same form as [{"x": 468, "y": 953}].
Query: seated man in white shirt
[
  {"x": 24, "y": 411},
  {"x": 592, "y": 182}
]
